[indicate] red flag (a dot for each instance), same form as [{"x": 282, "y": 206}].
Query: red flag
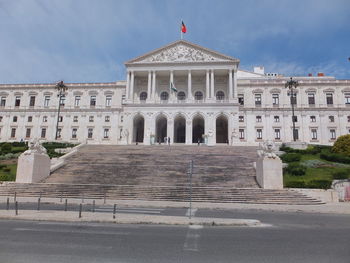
[{"x": 183, "y": 27}]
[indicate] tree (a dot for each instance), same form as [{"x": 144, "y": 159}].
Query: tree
[{"x": 342, "y": 145}]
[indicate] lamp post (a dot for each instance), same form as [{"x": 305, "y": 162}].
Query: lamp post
[
  {"x": 60, "y": 88},
  {"x": 292, "y": 85}
]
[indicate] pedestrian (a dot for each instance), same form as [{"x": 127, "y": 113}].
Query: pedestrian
[
  {"x": 159, "y": 140},
  {"x": 165, "y": 140},
  {"x": 169, "y": 141},
  {"x": 199, "y": 141}
]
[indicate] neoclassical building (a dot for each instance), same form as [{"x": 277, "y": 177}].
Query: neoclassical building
[{"x": 183, "y": 92}]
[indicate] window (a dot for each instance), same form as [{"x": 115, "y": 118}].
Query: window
[
  {"x": 258, "y": 118},
  {"x": 220, "y": 95},
  {"x": 313, "y": 118},
  {"x": 77, "y": 101},
  {"x": 109, "y": 100},
  {"x": 15, "y": 118},
  {"x": 259, "y": 134},
  {"x": 276, "y": 118},
  {"x": 28, "y": 133},
  {"x": 348, "y": 118},
  {"x": 181, "y": 95},
  {"x": 3, "y": 102},
  {"x": 329, "y": 98},
  {"x": 347, "y": 98},
  {"x": 313, "y": 134},
  {"x": 164, "y": 95},
  {"x": 333, "y": 135},
  {"x": 241, "y": 118},
  {"x": 90, "y": 133},
  {"x": 295, "y": 119},
  {"x": 44, "y": 118},
  {"x": 143, "y": 96},
  {"x": 74, "y": 133},
  {"x": 121, "y": 118},
  {"x": 198, "y": 95},
  {"x": 257, "y": 100},
  {"x": 75, "y": 119},
  {"x": 91, "y": 118},
  {"x": 46, "y": 101},
  {"x": 107, "y": 118},
  {"x": 1, "y": 118},
  {"x": 331, "y": 118},
  {"x": 13, "y": 132},
  {"x": 93, "y": 101},
  {"x": 43, "y": 132},
  {"x": 241, "y": 99},
  {"x": 275, "y": 99},
  {"x": 32, "y": 101},
  {"x": 30, "y": 118},
  {"x": 241, "y": 134},
  {"x": 277, "y": 134},
  {"x": 311, "y": 98},
  {"x": 296, "y": 134},
  {"x": 17, "y": 101},
  {"x": 63, "y": 100},
  {"x": 293, "y": 99},
  {"x": 105, "y": 133},
  {"x": 59, "y": 131},
  {"x": 60, "y": 118}
]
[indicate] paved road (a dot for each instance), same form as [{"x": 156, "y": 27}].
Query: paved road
[{"x": 292, "y": 238}]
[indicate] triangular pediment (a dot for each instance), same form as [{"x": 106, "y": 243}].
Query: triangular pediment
[{"x": 182, "y": 52}]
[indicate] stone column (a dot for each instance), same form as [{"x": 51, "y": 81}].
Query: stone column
[
  {"x": 170, "y": 130},
  {"x": 127, "y": 91},
  {"x": 230, "y": 86},
  {"x": 235, "y": 83},
  {"x": 212, "y": 85},
  {"x": 207, "y": 86},
  {"x": 132, "y": 86},
  {"x": 154, "y": 86},
  {"x": 188, "y": 131},
  {"x": 189, "y": 86},
  {"x": 149, "y": 86}
]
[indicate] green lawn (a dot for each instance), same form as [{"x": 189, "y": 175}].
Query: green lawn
[{"x": 10, "y": 175}]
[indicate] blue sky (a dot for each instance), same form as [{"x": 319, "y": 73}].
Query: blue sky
[{"x": 42, "y": 41}]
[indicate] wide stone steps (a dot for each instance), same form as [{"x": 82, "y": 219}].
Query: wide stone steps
[{"x": 163, "y": 193}]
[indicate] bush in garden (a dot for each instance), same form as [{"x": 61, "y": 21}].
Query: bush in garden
[
  {"x": 295, "y": 169},
  {"x": 342, "y": 145},
  {"x": 291, "y": 157}
]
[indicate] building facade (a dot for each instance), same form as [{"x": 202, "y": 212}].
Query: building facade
[{"x": 183, "y": 92}]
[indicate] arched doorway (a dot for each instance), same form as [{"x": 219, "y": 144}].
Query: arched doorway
[
  {"x": 180, "y": 129},
  {"x": 197, "y": 129},
  {"x": 139, "y": 128},
  {"x": 161, "y": 128},
  {"x": 221, "y": 129}
]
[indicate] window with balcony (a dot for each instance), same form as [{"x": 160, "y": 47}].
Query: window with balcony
[
  {"x": 332, "y": 134},
  {"x": 74, "y": 133},
  {"x": 32, "y": 101},
  {"x": 15, "y": 118},
  {"x": 143, "y": 96},
  {"x": 259, "y": 134},
  {"x": 198, "y": 95},
  {"x": 277, "y": 134},
  {"x": 347, "y": 98},
  {"x": 47, "y": 101},
  {"x": 329, "y": 98},
  {"x": 28, "y": 131},
  {"x": 17, "y": 101},
  {"x": 43, "y": 133},
  {"x": 109, "y": 100},
  {"x": 181, "y": 95},
  {"x": 331, "y": 118},
  {"x": 93, "y": 101},
  {"x": 275, "y": 99},
  {"x": 313, "y": 134},
  {"x": 311, "y": 98},
  {"x": 257, "y": 100},
  {"x": 90, "y": 133},
  {"x": 2, "y": 101},
  {"x": 13, "y": 132},
  {"x": 241, "y": 99},
  {"x": 313, "y": 118},
  {"x": 220, "y": 95},
  {"x": 164, "y": 96},
  {"x": 77, "y": 101},
  {"x": 106, "y": 133},
  {"x": 30, "y": 118},
  {"x": 276, "y": 118},
  {"x": 241, "y": 134}
]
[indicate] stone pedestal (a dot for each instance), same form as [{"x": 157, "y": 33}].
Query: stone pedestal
[
  {"x": 32, "y": 167},
  {"x": 269, "y": 172}
]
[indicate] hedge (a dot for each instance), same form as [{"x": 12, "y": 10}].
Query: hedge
[
  {"x": 295, "y": 169},
  {"x": 334, "y": 157},
  {"x": 291, "y": 157}
]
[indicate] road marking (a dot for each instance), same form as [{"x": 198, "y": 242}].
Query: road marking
[
  {"x": 128, "y": 211},
  {"x": 60, "y": 230},
  {"x": 192, "y": 238},
  {"x": 131, "y": 208},
  {"x": 193, "y": 212}
]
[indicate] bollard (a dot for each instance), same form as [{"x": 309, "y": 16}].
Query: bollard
[
  {"x": 39, "y": 204},
  {"x": 114, "y": 210},
  {"x": 65, "y": 205},
  {"x": 93, "y": 206},
  {"x": 80, "y": 208},
  {"x": 16, "y": 208},
  {"x": 8, "y": 203},
  {"x": 61, "y": 197},
  {"x": 15, "y": 197},
  {"x": 104, "y": 198}
]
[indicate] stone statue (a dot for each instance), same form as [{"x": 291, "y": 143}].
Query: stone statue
[
  {"x": 267, "y": 149},
  {"x": 35, "y": 147}
]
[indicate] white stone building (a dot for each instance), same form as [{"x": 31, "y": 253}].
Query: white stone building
[{"x": 216, "y": 102}]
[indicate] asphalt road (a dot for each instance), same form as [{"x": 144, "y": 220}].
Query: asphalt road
[{"x": 293, "y": 237}]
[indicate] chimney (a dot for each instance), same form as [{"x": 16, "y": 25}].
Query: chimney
[{"x": 320, "y": 74}]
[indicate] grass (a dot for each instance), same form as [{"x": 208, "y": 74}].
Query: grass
[{"x": 8, "y": 175}]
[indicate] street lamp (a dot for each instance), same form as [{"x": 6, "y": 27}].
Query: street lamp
[
  {"x": 61, "y": 88},
  {"x": 292, "y": 85}
]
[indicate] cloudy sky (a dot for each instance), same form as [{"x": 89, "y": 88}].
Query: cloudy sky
[{"x": 42, "y": 41}]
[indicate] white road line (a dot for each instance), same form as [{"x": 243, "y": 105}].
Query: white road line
[
  {"x": 192, "y": 238},
  {"x": 193, "y": 212},
  {"x": 132, "y": 208},
  {"x": 128, "y": 211},
  {"x": 60, "y": 230}
]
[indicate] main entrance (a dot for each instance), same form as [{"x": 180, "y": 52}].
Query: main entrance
[
  {"x": 221, "y": 129},
  {"x": 197, "y": 129},
  {"x": 179, "y": 129},
  {"x": 161, "y": 128},
  {"x": 139, "y": 127}
]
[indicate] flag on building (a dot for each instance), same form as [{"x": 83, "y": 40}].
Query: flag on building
[
  {"x": 183, "y": 27},
  {"x": 172, "y": 87}
]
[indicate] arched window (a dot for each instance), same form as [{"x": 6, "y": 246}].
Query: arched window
[
  {"x": 198, "y": 95},
  {"x": 181, "y": 95},
  {"x": 164, "y": 95},
  {"x": 143, "y": 95},
  {"x": 220, "y": 95}
]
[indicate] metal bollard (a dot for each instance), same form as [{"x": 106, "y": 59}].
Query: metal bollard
[
  {"x": 8, "y": 203},
  {"x": 80, "y": 209},
  {"x": 114, "y": 210},
  {"x": 16, "y": 208},
  {"x": 93, "y": 206},
  {"x": 65, "y": 205},
  {"x": 39, "y": 204}
]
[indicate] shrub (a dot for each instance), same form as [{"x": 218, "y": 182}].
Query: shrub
[
  {"x": 3, "y": 177},
  {"x": 340, "y": 175},
  {"x": 6, "y": 170},
  {"x": 334, "y": 157},
  {"x": 320, "y": 184},
  {"x": 296, "y": 184},
  {"x": 295, "y": 169},
  {"x": 342, "y": 145},
  {"x": 291, "y": 157},
  {"x": 6, "y": 148},
  {"x": 2, "y": 166}
]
